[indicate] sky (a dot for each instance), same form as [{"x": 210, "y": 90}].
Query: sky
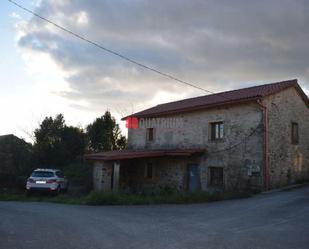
[{"x": 216, "y": 44}]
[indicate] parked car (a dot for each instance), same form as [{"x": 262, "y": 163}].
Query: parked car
[{"x": 49, "y": 180}]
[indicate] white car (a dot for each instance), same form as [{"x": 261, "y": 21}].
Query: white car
[{"x": 49, "y": 180}]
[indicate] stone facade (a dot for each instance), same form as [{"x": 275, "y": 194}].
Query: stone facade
[
  {"x": 287, "y": 162},
  {"x": 238, "y": 158},
  {"x": 167, "y": 172},
  {"x": 239, "y": 153}
]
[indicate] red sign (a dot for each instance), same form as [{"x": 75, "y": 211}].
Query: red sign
[{"x": 132, "y": 122}]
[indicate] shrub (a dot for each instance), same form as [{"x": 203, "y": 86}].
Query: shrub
[{"x": 79, "y": 175}]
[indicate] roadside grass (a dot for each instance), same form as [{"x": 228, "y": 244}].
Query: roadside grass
[
  {"x": 118, "y": 198},
  {"x": 38, "y": 198},
  {"x": 121, "y": 198}
]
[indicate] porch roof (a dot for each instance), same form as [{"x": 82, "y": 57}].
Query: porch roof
[{"x": 131, "y": 154}]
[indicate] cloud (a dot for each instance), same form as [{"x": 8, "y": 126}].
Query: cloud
[
  {"x": 15, "y": 15},
  {"x": 215, "y": 44}
]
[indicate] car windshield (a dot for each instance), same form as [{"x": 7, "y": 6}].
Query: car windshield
[{"x": 42, "y": 174}]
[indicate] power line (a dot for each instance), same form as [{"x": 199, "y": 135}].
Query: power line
[
  {"x": 112, "y": 51},
  {"x": 136, "y": 63}
]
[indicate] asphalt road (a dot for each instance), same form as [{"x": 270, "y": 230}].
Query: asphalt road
[{"x": 278, "y": 220}]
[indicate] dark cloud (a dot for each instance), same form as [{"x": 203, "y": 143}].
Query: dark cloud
[{"x": 219, "y": 45}]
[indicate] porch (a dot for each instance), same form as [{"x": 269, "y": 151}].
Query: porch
[{"x": 147, "y": 171}]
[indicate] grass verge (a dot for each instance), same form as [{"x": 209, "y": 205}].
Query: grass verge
[{"x": 120, "y": 198}]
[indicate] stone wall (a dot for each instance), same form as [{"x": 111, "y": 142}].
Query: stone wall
[
  {"x": 287, "y": 162},
  {"x": 167, "y": 172},
  {"x": 240, "y": 153},
  {"x": 102, "y": 175}
]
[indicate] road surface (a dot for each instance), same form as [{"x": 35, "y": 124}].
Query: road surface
[{"x": 278, "y": 220}]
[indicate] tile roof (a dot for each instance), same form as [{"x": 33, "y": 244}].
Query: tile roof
[{"x": 218, "y": 99}]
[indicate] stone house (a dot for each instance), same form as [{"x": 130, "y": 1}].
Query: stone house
[{"x": 251, "y": 138}]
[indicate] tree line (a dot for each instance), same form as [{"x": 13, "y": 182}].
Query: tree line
[{"x": 58, "y": 145}]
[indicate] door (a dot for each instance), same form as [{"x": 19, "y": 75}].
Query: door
[{"x": 193, "y": 178}]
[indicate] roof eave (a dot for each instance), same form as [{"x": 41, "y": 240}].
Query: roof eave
[
  {"x": 195, "y": 108},
  {"x": 126, "y": 155}
]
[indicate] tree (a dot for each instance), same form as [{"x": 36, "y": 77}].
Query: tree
[
  {"x": 74, "y": 142},
  {"x": 15, "y": 155},
  {"x": 15, "y": 160},
  {"x": 56, "y": 144},
  {"x": 121, "y": 142},
  {"x": 104, "y": 134}
]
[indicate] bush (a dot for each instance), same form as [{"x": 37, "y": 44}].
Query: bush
[
  {"x": 168, "y": 190},
  {"x": 13, "y": 182},
  {"x": 79, "y": 175}
]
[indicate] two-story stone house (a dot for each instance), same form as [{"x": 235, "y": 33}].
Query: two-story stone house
[{"x": 255, "y": 137}]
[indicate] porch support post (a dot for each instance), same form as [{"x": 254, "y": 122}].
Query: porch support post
[{"x": 116, "y": 171}]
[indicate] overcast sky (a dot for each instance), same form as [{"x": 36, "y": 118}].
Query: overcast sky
[{"x": 218, "y": 45}]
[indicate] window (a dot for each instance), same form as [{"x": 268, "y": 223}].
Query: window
[
  {"x": 294, "y": 133},
  {"x": 38, "y": 173},
  {"x": 217, "y": 131},
  {"x": 216, "y": 176},
  {"x": 150, "y": 134},
  {"x": 149, "y": 171}
]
